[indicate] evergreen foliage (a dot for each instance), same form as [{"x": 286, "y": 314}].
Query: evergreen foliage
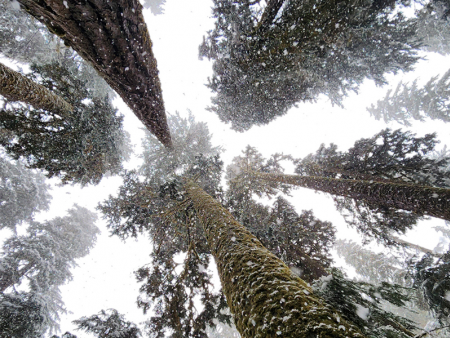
[
  {"x": 40, "y": 261},
  {"x": 389, "y": 156},
  {"x": 25, "y": 40},
  {"x": 156, "y": 6},
  {"x": 190, "y": 139},
  {"x": 431, "y": 276},
  {"x": 433, "y": 26},
  {"x": 301, "y": 241},
  {"x": 79, "y": 147},
  {"x": 149, "y": 202},
  {"x": 373, "y": 267},
  {"x": 23, "y": 315},
  {"x": 361, "y": 303},
  {"x": 409, "y": 102},
  {"x": 23, "y": 193},
  {"x": 45, "y": 254},
  {"x": 266, "y": 62},
  {"x": 109, "y": 323}
]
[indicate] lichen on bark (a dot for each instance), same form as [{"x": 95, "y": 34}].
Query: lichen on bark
[{"x": 265, "y": 297}]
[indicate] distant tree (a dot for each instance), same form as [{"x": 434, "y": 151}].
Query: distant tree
[
  {"x": 109, "y": 323},
  {"x": 409, "y": 102},
  {"x": 16, "y": 87},
  {"x": 373, "y": 267},
  {"x": 388, "y": 157},
  {"x": 65, "y": 335},
  {"x": 113, "y": 37},
  {"x": 46, "y": 253},
  {"x": 223, "y": 331},
  {"x": 40, "y": 262},
  {"x": 190, "y": 139},
  {"x": 433, "y": 27},
  {"x": 362, "y": 304},
  {"x": 424, "y": 284},
  {"x": 25, "y": 315},
  {"x": 292, "y": 51},
  {"x": 78, "y": 147},
  {"x": 431, "y": 277},
  {"x": 156, "y": 6},
  {"x": 143, "y": 206},
  {"x": 23, "y": 193}
]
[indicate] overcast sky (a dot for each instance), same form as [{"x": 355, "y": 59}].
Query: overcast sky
[{"x": 105, "y": 279}]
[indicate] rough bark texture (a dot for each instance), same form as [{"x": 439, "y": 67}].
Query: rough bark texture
[
  {"x": 419, "y": 199},
  {"x": 265, "y": 297},
  {"x": 113, "y": 37},
  {"x": 16, "y": 87}
]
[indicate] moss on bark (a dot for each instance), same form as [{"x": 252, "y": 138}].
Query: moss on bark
[
  {"x": 422, "y": 200},
  {"x": 265, "y": 297},
  {"x": 16, "y": 87}
]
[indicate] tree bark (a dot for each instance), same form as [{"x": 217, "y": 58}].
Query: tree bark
[
  {"x": 422, "y": 200},
  {"x": 16, "y": 87},
  {"x": 113, "y": 37},
  {"x": 264, "y": 296}
]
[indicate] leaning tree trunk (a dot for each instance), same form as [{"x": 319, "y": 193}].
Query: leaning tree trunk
[
  {"x": 16, "y": 87},
  {"x": 113, "y": 37},
  {"x": 264, "y": 296},
  {"x": 422, "y": 200}
]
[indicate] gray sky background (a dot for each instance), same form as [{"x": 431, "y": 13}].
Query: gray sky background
[{"x": 104, "y": 279}]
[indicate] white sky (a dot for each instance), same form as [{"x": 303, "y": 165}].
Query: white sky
[{"x": 104, "y": 279}]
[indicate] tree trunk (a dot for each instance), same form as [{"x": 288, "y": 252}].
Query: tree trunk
[
  {"x": 113, "y": 37},
  {"x": 422, "y": 200},
  {"x": 264, "y": 296},
  {"x": 269, "y": 14},
  {"x": 414, "y": 246},
  {"x": 16, "y": 87}
]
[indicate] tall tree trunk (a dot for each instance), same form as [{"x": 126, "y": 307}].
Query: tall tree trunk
[
  {"x": 16, "y": 87},
  {"x": 419, "y": 199},
  {"x": 264, "y": 296},
  {"x": 113, "y": 37}
]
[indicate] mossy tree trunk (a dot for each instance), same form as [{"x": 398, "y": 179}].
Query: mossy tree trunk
[
  {"x": 265, "y": 297},
  {"x": 16, "y": 87},
  {"x": 113, "y": 37},
  {"x": 422, "y": 200}
]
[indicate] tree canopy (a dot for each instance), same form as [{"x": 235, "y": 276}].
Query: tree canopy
[{"x": 274, "y": 260}]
